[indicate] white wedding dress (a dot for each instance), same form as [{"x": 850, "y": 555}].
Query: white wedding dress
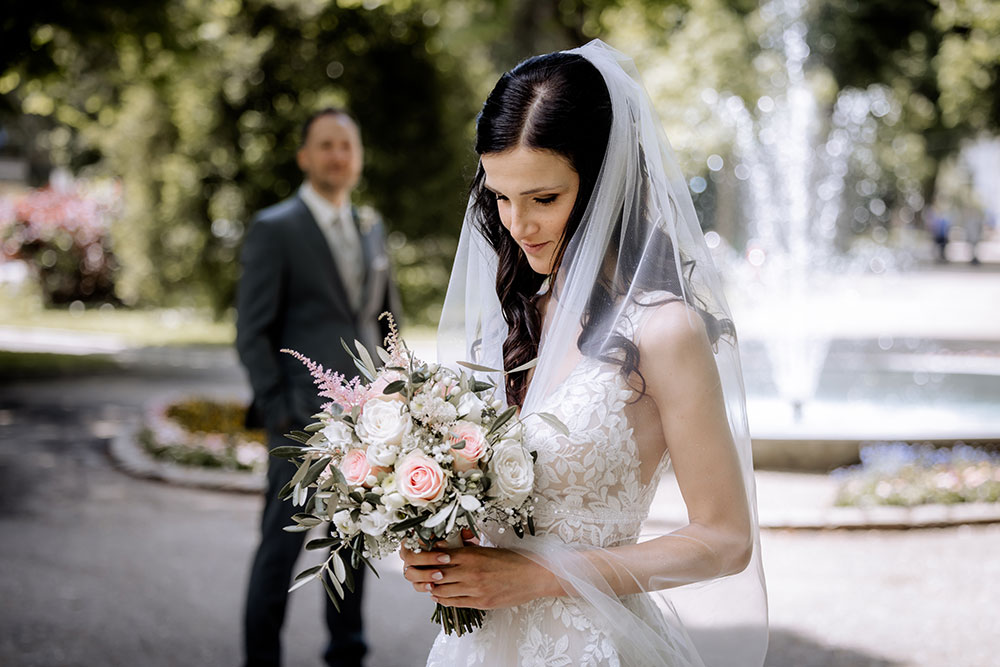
[{"x": 590, "y": 494}]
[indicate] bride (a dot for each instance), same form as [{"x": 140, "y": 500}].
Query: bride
[{"x": 581, "y": 246}]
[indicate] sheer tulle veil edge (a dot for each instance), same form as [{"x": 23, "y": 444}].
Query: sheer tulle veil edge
[{"x": 640, "y": 219}]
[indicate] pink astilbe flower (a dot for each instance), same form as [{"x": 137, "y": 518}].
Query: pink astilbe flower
[
  {"x": 399, "y": 355},
  {"x": 333, "y": 385}
]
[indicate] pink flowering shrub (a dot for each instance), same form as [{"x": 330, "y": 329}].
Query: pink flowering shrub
[{"x": 63, "y": 235}]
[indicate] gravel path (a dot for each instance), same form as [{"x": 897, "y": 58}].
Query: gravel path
[{"x": 99, "y": 568}]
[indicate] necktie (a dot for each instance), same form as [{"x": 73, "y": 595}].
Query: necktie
[{"x": 347, "y": 250}]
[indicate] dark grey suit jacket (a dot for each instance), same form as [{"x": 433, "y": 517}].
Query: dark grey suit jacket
[{"x": 290, "y": 295}]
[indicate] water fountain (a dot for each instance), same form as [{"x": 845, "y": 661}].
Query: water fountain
[{"x": 813, "y": 315}]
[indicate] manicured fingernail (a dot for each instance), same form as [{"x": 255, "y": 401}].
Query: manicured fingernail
[
  {"x": 434, "y": 599},
  {"x": 429, "y": 588},
  {"x": 437, "y": 576},
  {"x": 444, "y": 558}
]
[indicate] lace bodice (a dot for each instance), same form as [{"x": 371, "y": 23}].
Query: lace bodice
[
  {"x": 589, "y": 492},
  {"x": 589, "y": 485}
]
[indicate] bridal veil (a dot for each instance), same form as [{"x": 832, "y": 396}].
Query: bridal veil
[{"x": 641, "y": 241}]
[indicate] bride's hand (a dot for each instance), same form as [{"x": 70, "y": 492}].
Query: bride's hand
[{"x": 477, "y": 577}]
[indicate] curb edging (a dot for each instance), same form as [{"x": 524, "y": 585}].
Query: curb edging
[{"x": 131, "y": 458}]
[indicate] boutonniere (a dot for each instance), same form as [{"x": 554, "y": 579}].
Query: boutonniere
[{"x": 367, "y": 218}]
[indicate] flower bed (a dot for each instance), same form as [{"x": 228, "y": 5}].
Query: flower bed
[
  {"x": 907, "y": 474},
  {"x": 203, "y": 432}
]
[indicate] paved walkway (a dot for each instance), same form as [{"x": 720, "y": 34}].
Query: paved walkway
[{"x": 103, "y": 568}]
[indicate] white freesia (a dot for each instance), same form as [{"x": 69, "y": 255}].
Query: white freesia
[
  {"x": 338, "y": 434},
  {"x": 472, "y": 407},
  {"x": 511, "y": 471},
  {"x": 383, "y": 421},
  {"x": 382, "y": 454},
  {"x": 375, "y": 523}
]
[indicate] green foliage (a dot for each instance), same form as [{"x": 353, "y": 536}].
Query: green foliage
[
  {"x": 32, "y": 365},
  {"x": 422, "y": 268},
  {"x": 939, "y": 60},
  {"x": 199, "y": 117}
]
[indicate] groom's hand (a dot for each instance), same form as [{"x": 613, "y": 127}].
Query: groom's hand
[{"x": 478, "y": 577}]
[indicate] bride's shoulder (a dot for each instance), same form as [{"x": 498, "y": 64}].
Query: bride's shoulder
[{"x": 670, "y": 327}]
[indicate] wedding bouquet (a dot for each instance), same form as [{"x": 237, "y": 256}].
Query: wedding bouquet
[{"x": 410, "y": 455}]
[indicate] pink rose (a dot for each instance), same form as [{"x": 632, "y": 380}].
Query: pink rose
[
  {"x": 381, "y": 382},
  {"x": 355, "y": 467},
  {"x": 419, "y": 479},
  {"x": 475, "y": 445}
]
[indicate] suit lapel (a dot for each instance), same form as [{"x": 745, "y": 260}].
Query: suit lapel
[{"x": 316, "y": 244}]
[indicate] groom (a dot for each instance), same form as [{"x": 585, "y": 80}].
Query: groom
[{"x": 315, "y": 271}]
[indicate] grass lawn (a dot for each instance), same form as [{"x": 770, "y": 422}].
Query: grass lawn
[
  {"x": 30, "y": 365},
  {"x": 133, "y": 327}
]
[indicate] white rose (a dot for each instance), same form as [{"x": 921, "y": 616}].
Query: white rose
[
  {"x": 471, "y": 406},
  {"x": 342, "y": 520},
  {"x": 375, "y": 523},
  {"x": 338, "y": 434},
  {"x": 382, "y": 454},
  {"x": 512, "y": 473},
  {"x": 383, "y": 421}
]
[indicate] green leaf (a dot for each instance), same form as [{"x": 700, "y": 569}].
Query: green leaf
[
  {"x": 315, "y": 470},
  {"x": 348, "y": 349},
  {"x": 338, "y": 475},
  {"x": 502, "y": 419},
  {"x": 531, "y": 525},
  {"x": 322, "y": 543},
  {"x": 406, "y": 524},
  {"x": 299, "y": 584},
  {"x": 439, "y": 516},
  {"x": 286, "y": 452},
  {"x": 554, "y": 422},
  {"x": 373, "y": 498},
  {"x": 349, "y": 580},
  {"x": 329, "y": 592},
  {"x": 300, "y": 473},
  {"x": 296, "y": 529},
  {"x": 478, "y": 386},
  {"x": 366, "y": 357},
  {"x": 307, "y": 573},
  {"x": 477, "y": 367},
  {"x": 360, "y": 365},
  {"x": 394, "y": 387},
  {"x": 338, "y": 567},
  {"x": 524, "y": 367},
  {"x": 382, "y": 354},
  {"x": 315, "y": 426},
  {"x": 308, "y": 520}
]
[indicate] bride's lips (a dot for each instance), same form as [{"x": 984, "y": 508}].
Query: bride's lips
[{"x": 534, "y": 248}]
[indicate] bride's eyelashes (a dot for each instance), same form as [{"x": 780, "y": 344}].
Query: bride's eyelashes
[{"x": 547, "y": 199}]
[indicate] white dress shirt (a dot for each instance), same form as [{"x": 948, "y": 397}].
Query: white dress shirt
[{"x": 342, "y": 236}]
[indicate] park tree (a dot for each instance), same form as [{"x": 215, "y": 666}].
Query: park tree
[{"x": 196, "y": 107}]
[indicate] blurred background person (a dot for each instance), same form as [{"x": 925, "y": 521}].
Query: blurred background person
[{"x": 315, "y": 272}]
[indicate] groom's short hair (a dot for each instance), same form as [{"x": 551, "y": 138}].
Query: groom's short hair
[{"x": 326, "y": 111}]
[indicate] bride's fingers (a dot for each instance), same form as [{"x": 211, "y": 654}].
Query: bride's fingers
[
  {"x": 426, "y": 558},
  {"x": 419, "y": 575}
]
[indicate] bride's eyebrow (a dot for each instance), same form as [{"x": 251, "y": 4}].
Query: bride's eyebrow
[{"x": 550, "y": 188}]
